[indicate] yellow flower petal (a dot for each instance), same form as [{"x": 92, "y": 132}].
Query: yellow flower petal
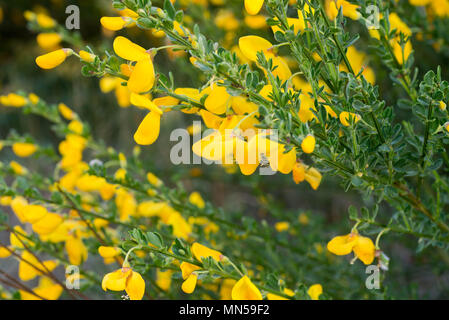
[
  {"x": 308, "y": 144},
  {"x": 250, "y": 45},
  {"x": 144, "y": 102},
  {"x": 188, "y": 286},
  {"x": 116, "y": 281},
  {"x": 49, "y": 223},
  {"x": 23, "y": 149},
  {"x": 253, "y": 6},
  {"x": 142, "y": 77},
  {"x": 76, "y": 250},
  {"x": 244, "y": 289},
  {"x": 365, "y": 250},
  {"x": 53, "y": 59},
  {"x": 187, "y": 269},
  {"x": 315, "y": 291},
  {"x": 200, "y": 251},
  {"x": 113, "y": 23},
  {"x": 128, "y": 50},
  {"x": 218, "y": 100},
  {"x": 135, "y": 286},
  {"x": 148, "y": 130},
  {"x": 342, "y": 245},
  {"x": 108, "y": 252}
]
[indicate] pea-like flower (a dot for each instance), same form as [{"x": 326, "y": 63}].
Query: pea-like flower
[
  {"x": 125, "y": 279},
  {"x": 244, "y": 289},
  {"x": 362, "y": 247}
]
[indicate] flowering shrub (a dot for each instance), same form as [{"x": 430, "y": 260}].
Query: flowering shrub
[{"x": 284, "y": 87}]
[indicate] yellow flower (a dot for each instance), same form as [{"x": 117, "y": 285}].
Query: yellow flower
[
  {"x": 349, "y": 9},
  {"x": 23, "y": 149},
  {"x": 299, "y": 172},
  {"x": 253, "y": 6},
  {"x": 163, "y": 279},
  {"x": 4, "y": 252},
  {"x": 362, "y": 247},
  {"x": 143, "y": 76},
  {"x": 18, "y": 205},
  {"x": 200, "y": 252},
  {"x": 308, "y": 144},
  {"x": 244, "y": 289},
  {"x": 365, "y": 250},
  {"x": 13, "y": 100},
  {"x": 18, "y": 238},
  {"x": 66, "y": 112},
  {"x": 46, "y": 289},
  {"x": 297, "y": 24},
  {"x": 30, "y": 267},
  {"x": 342, "y": 245},
  {"x": 315, "y": 291},
  {"x": 282, "y": 226},
  {"x": 311, "y": 175},
  {"x": 251, "y": 45},
  {"x": 442, "y": 105},
  {"x": 402, "y": 54},
  {"x": 108, "y": 252},
  {"x": 34, "y": 99},
  {"x": 47, "y": 224},
  {"x": 196, "y": 199},
  {"x": 256, "y": 22},
  {"x": 33, "y": 213},
  {"x": 187, "y": 269},
  {"x": 188, "y": 286},
  {"x": 218, "y": 100},
  {"x": 125, "y": 279},
  {"x": 76, "y": 250},
  {"x": 446, "y": 126},
  {"x": 17, "y": 168},
  {"x": 115, "y": 23},
  {"x": 48, "y": 40},
  {"x": 87, "y": 56},
  {"x": 126, "y": 204},
  {"x": 346, "y": 118},
  {"x": 45, "y": 21},
  {"x": 53, "y": 59},
  {"x": 148, "y": 130}
]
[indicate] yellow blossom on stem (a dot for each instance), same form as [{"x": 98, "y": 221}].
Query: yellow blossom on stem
[
  {"x": 53, "y": 59},
  {"x": 308, "y": 144},
  {"x": 114, "y": 23},
  {"x": 125, "y": 279},
  {"x": 253, "y": 6},
  {"x": 363, "y": 247},
  {"x": 48, "y": 40},
  {"x": 346, "y": 118},
  {"x": 24, "y": 150},
  {"x": 315, "y": 291},
  {"x": 196, "y": 199},
  {"x": 188, "y": 286},
  {"x": 87, "y": 56},
  {"x": 244, "y": 289},
  {"x": 200, "y": 252},
  {"x": 76, "y": 250}
]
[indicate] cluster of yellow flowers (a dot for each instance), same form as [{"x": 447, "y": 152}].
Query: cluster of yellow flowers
[
  {"x": 236, "y": 138},
  {"x": 72, "y": 229},
  {"x": 231, "y": 130}
]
